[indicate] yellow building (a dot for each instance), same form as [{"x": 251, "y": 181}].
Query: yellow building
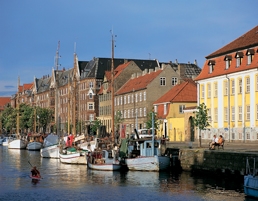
[
  {"x": 228, "y": 85},
  {"x": 170, "y": 110}
]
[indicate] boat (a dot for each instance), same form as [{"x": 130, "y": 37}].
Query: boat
[
  {"x": 103, "y": 160},
  {"x": 18, "y": 143},
  {"x": 35, "y": 177},
  {"x": 7, "y": 140},
  {"x": 50, "y": 147},
  {"x": 251, "y": 181},
  {"x": 71, "y": 155},
  {"x": 35, "y": 142},
  {"x": 142, "y": 158}
]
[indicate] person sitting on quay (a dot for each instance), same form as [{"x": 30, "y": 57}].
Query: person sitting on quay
[
  {"x": 219, "y": 143},
  {"x": 213, "y": 141}
]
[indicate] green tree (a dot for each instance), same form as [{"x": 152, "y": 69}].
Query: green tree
[
  {"x": 26, "y": 112},
  {"x": 118, "y": 119},
  {"x": 149, "y": 121},
  {"x": 95, "y": 125},
  {"x": 201, "y": 119},
  {"x": 44, "y": 117},
  {"x": 8, "y": 118}
]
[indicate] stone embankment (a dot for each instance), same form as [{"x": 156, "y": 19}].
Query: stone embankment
[{"x": 231, "y": 160}]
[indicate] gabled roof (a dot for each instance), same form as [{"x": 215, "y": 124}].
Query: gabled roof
[
  {"x": 138, "y": 83},
  {"x": 245, "y": 41},
  {"x": 184, "y": 92}
]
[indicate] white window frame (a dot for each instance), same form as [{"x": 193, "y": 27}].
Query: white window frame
[
  {"x": 247, "y": 84},
  {"x": 209, "y": 90},
  {"x": 162, "y": 81},
  {"x": 233, "y": 87},
  {"x": 233, "y": 113},
  {"x": 248, "y": 112},
  {"x": 239, "y": 113},
  {"x": 174, "y": 81}
]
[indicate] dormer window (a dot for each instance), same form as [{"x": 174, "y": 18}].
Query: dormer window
[
  {"x": 239, "y": 57},
  {"x": 211, "y": 65},
  {"x": 250, "y": 55},
  {"x": 228, "y": 59}
]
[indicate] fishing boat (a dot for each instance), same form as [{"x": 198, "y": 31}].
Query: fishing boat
[
  {"x": 35, "y": 142},
  {"x": 50, "y": 147},
  {"x": 18, "y": 144},
  {"x": 71, "y": 155},
  {"x": 147, "y": 157},
  {"x": 103, "y": 160},
  {"x": 251, "y": 180}
]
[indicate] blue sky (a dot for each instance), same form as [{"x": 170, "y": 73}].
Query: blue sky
[{"x": 146, "y": 29}]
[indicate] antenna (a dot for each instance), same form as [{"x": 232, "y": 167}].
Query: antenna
[{"x": 74, "y": 47}]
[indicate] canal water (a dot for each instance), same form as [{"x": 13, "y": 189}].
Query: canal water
[{"x": 76, "y": 182}]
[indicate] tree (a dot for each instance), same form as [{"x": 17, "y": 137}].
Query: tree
[
  {"x": 201, "y": 119},
  {"x": 118, "y": 119},
  {"x": 95, "y": 125},
  {"x": 26, "y": 112},
  {"x": 44, "y": 116},
  {"x": 149, "y": 121},
  {"x": 8, "y": 118}
]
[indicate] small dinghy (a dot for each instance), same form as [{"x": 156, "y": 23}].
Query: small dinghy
[{"x": 35, "y": 177}]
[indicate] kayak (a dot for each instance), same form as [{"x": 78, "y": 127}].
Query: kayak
[{"x": 35, "y": 177}]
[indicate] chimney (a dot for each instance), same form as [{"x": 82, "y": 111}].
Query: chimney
[
  {"x": 176, "y": 61},
  {"x": 125, "y": 61},
  {"x": 139, "y": 74},
  {"x": 133, "y": 76},
  {"x": 156, "y": 69},
  {"x": 145, "y": 71},
  {"x": 150, "y": 70},
  {"x": 195, "y": 62},
  {"x": 181, "y": 70}
]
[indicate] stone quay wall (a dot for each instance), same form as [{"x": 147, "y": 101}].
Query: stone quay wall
[{"x": 217, "y": 160}]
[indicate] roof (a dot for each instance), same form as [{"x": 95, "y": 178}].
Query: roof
[
  {"x": 138, "y": 83},
  {"x": 247, "y": 40},
  {"x": 4, "y": 101},
  {"x": 184, "y": 92}
]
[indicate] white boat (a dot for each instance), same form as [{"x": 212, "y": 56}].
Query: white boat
[
  {"x": 144, "y": 157},
  {"x": 50, "y": 147},
  {"x": 35, "y": 142},
  {"x": 51, "y": 151},
  {"x": 7, "y": 140},
  {"x": 103, "y": 160},
  {"x": 73, "y": 156},
  {"x": 17, "y": 144},
  {"x": 251, "y": 181},
  {"x": 34, "y": 146},
  {"x": 90, "y": 146}
]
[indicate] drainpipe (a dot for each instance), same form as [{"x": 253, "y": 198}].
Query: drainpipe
[
  {"x": 228, "y": 107},
  {"x": 198, "y": 103}
]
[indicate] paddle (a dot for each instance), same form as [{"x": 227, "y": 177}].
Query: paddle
[{"x": 32, "y": 166}]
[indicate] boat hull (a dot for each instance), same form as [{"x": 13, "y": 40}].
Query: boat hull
[
  {"x": 73, "y": 158},
  {"x": 50, "y": 152},
  {"x": 148, "y": 163},
  {"x": 34, "y": 146},
  {"x": 17, "y": 144},
  {"x": 251, "y": 186},
  {"x": 104, "y": 167}
]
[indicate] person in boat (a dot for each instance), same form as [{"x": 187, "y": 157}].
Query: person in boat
[{"x": 35, "y": 172}]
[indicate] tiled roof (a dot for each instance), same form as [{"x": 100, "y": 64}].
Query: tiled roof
[
  {"x": 138, "y": 83},
  {"x": 184, "y": 92},
  {"x": 247, "y": 40},
  {"x": 4, "y": 101},
  {"x": 240, "y": 46}
]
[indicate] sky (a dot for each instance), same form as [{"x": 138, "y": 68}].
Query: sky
[{"x": 165, "y": 30}]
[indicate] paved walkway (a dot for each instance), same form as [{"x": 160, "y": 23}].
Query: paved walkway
[{"x": 228, "y": 146}]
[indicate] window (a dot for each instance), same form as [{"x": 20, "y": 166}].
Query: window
[
  {"x": 91, "y": 84},
  {"x": 155, "y": 108},
  {"x": 248, "y": 112},
  {"x": 90, "y": 95},
  {"x": 141, "y": 97},
  {"x": 256, "y": 84},
  {"x": 211, "y": 64},
  {"x": 225, "y": 88},
  {"x": 174, "y": 81},
  {"x": 256, "y": 111},
  {"x": 140, "y": 112},
  {"x": 202, "y": 91},
  {"x": 225, "y": 114},
  {"x": 215, "y": 114},
  {"x": 121, "y": 100},
  {"x": 144, "y": 112},
  {"x": 228, "y": 61},
  {"x": 125, "y": 112},
  {"x": 90, "y": 106},
  {"x": 136, "y": 98},
  {"x": 209, "y": 90},
  {"x": 124, "y": 100},
  {"x": 240, "y": 113},
  {"x": 144, "y": 96},
  {"x": 215, "y": 89},
  {"x": 128, "y": 113},
  {"x": 128, "y": 98},
  {"x": 233, "y": 113},
  {"x": 117, "y": 100},
  {"x": 132, "y": 98},
  {"x": 132, "y": 112},
  {"x": 240, "y": 86},
  {"x": 181, "y": 109},
  {"x": 165, "y": 108},
  {"x": 91, "y": 117},
  {"x": 239, "y": 57},
  {"x": 250, "y": 55},
  {"x": 233, "y": 86},
  {"x": 162, "y": 81},
  {"x": 248, "y": 85}
]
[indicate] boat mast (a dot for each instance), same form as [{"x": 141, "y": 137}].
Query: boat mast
[
  {"x": 74, "y": 91},
  {"x": 56, "y": 89},
  {"x": 68, "y": 107},
  {"x": 18, "y": 110},
  {"x": 112, "y": 88}
]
